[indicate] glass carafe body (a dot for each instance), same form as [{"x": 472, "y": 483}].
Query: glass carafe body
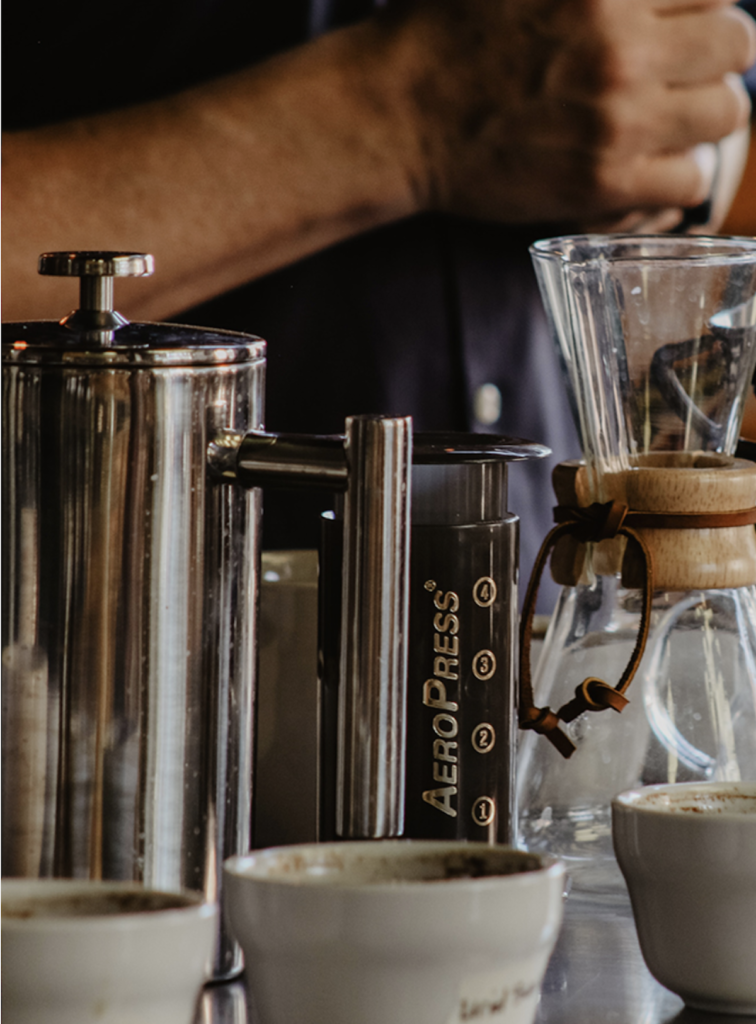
[{"x": 657, "y": 336}]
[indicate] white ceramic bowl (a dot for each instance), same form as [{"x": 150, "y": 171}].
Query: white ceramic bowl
[
  {"x": 688, "y": 854},
  {"x": 400, "y": 931},
  {"x": 75, "y": 952}
]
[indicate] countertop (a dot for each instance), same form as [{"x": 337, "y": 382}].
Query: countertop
[{"x": 596, "y": 976}]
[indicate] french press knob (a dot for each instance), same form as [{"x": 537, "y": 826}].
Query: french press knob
[{"x": 95, "y": 317}]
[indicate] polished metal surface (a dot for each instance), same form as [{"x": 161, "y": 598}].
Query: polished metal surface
[
  {"x": 459, "y": 493},
  {"x": 129, "y": 626},
  {"x": 438, "y": 446},
  {"x": 292, "y": 460},
  {"x": 596, "y": 976},
  {"x": 96, "y": 271},
  {"x": 129, "y": 601},
  {"x": 49, "y": 343},
  {"x": 460, "y": 479},
  {"x": 96, "y": 335},
  {"x": 372, "y": 462},
  {"x": 96, "y": 264},
  {"x": 374, "y": 625},
  {"x": 462, "y": 539}
]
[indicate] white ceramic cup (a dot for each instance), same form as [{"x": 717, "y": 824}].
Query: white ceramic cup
[
  {"x": 688, "y": 854},
  {"x": 75, "y": 952},
  {"x": 400, "y": 931}
]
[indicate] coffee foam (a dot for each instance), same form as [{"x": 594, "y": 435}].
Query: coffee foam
[
  {"x": 92, "y": 904},
  {"x": 335, "y": 867},
  {"x": 689, "y": 800}
]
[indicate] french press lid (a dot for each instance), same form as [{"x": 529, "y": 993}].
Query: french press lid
[{"x": 96, "y": 334}]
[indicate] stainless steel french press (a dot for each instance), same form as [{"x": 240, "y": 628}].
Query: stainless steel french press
[{"x": 130, "y": 581}]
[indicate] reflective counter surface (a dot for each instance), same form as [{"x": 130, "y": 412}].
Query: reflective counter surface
[{"x": 596, "y": 976}]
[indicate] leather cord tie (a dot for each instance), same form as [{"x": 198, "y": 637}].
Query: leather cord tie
[
  {"x": 648, "y": 520},
  {"x": 594, "y": 523},
  {"x": 591, "y": 524}
]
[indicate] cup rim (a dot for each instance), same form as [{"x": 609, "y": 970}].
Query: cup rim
[
  {"x": 636, "y": 800},
  {"x": 244, "y": 866},
  {"x": 193, "y": 905},
  {"x": 699, "y": 249}
]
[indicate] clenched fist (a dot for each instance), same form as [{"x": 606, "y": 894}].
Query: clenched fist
[{"x": 546, "y": 110}]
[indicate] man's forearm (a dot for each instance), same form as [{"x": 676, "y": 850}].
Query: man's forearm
[
  {"x": 585, "y": 111},
  {"x": 223, "y": 183}
]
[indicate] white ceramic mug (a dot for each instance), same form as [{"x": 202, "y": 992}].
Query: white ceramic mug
[
  {"x": 75, "y": 952},
  {"x": 688, "y": 854},
  {"x": 400, "y": 931}
]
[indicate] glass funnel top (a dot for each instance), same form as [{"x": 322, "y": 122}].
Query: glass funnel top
[{"x": 657, "y": 335}]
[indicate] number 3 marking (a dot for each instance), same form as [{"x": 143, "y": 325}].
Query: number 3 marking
[{"x": 484, "y": 665}]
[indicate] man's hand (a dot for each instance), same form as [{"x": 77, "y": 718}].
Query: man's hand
[{"x": 584, "y": 110}]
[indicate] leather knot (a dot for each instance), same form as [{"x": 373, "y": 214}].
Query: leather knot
[
  {"x": 593, "y": 522},
  {"x": 546, "y": 723},
  {"x": 592, "y": 695},
  {"x": 540, "y": 720}
]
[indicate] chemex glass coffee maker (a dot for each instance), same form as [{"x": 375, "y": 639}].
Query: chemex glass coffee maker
[{"x": 654, "y": 544}]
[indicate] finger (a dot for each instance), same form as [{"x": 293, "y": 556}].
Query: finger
[
  {"x": 661, "y": 182},
  {"x": 717, "y": 110},
  {"x": 676, "y": 119},
  {"x": 645, "y": 222},
  {"x": 676, "y": 6},
  {"x": 702, "y": 46},
  {"x": 658, "y": 222}
]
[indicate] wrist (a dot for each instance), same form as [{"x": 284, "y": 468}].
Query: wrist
[{"x": 376, "y": 64}]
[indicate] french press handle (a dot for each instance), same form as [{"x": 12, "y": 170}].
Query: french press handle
[{"x": 371, "y": 464}]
